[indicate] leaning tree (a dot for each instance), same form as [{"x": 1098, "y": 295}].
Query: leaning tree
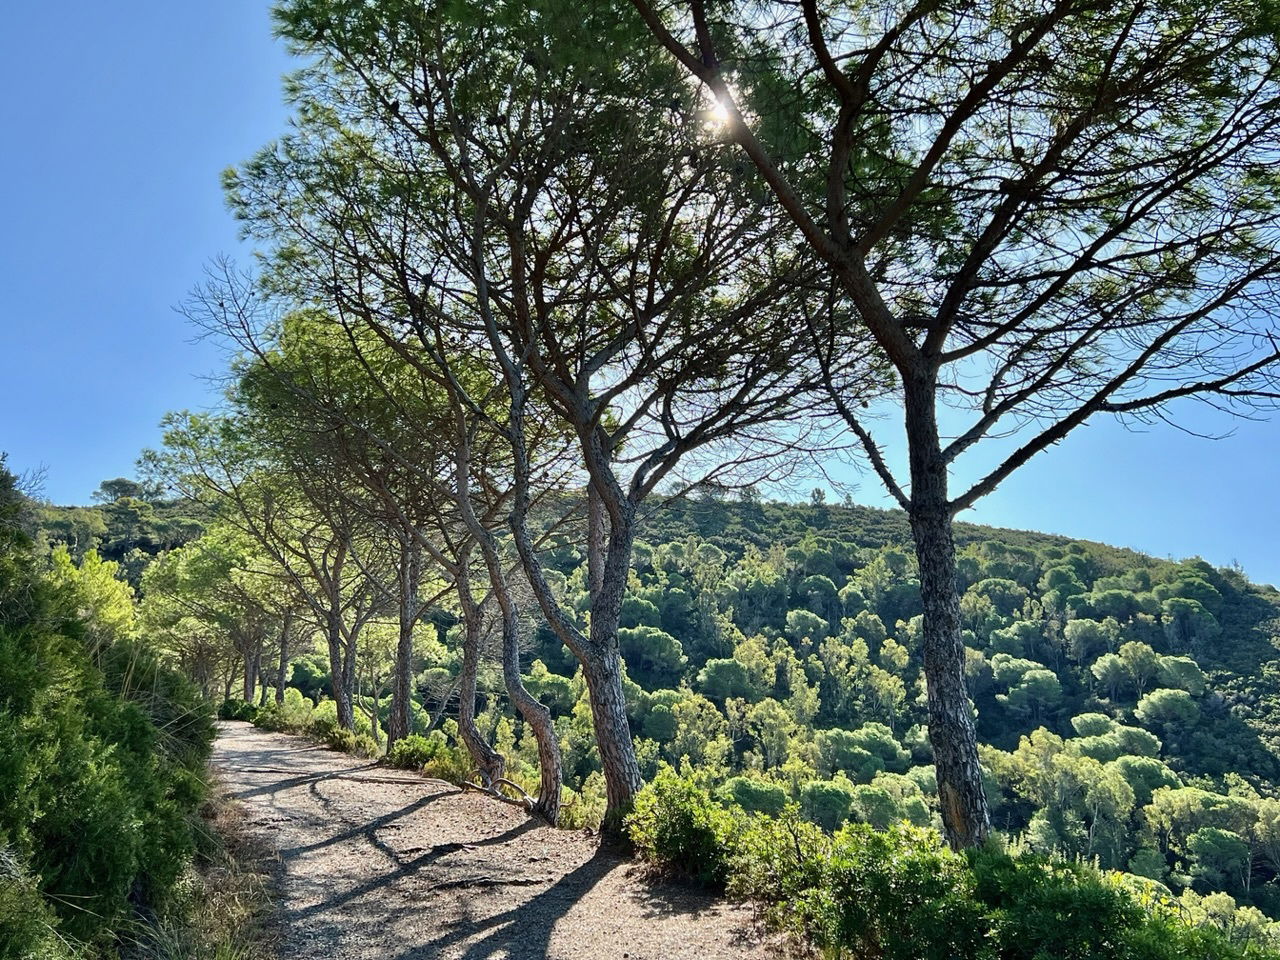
[
  {"x": 477, "y": 185},
  {"x": 1039, "y": 213},
  {"x": 416, "y": 462}
]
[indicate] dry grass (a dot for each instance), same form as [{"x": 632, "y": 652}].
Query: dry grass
[{"x": 221, "y": 907}]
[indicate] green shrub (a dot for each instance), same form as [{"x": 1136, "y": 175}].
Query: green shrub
[
  {"x": 337, "y": 738},
  {"x": 102, "y": 752},
  {"x": 583, "y": 809},
  {"x": 237, "y": 709},
  {"x": 451, "y": 764},
  {"x": 28, "y": 928},
  {"x": 270, "y": 718},
  {"x": 901, "y": 894},
  {"x": 898, "y": 894},
  {"x": 413, "y": 752},
  {"x": 1051, "y": 908},
  {"x": 294, "y": 715},
  {"x": 678, "y": 826},
  {"x": 754, "y": 795}
]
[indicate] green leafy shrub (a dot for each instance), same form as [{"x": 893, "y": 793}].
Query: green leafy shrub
[
  {"x": 336, "y": 738},
  {"x": 901, "y": 894},
  {"x": 102, "y": 750},
  {"x": 294, "y": 715},
  {"x": 678, "y": 826},
  {"x": 413, "y": 752},
  {"x": 28, "y": 928},
  {"x": 583, "y": 809},
  {"x": 898, "y": 894},
  {"x": 451, "y": 764},
  {"x": 237, "y": 709}
]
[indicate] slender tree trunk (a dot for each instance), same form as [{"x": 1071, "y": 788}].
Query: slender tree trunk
[
  {"x": 951, "y": 730},
  {"x": 603, "y": 673},
  {"x": 602, "y": 669},
  {"x": 282, "y": 670},
  {"x": 341, "y": 669},
  {"x": 252, "y": 661},
  {"x": 488, "y": 761},
  {"x": 538, "y": 717},
  {"x": 401, "y": 692},
  {"x": 534, "y": 713},
  {"x": 601, "y": 664}
]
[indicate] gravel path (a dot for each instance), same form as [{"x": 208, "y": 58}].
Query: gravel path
[{"x": 381, "y": 864}]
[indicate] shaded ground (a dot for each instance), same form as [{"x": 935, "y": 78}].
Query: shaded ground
[{"x": 381, "y": 864}]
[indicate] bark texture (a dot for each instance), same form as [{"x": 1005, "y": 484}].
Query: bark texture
[{"x": 963, "y": 801}]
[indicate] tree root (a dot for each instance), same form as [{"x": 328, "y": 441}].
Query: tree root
[{"x": 526, "y": 802}]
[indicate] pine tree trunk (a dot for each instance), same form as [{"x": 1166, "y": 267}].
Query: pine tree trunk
[
  {"x": 603, "y": 673},
  {"x": 282, "y": 670},
  {"x": 341, "y": 669},
  {"x": 538, "y": 717},
  {"x": 534, "y": 713},
  {"x": 252, "y": 661},
  {"x": 401, "y": 691},
  {"x": 602, "y": 669},
  {"x": 488, "y": 761},
  {"x": 951, "y": 731}
]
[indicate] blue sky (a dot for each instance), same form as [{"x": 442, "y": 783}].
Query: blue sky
[{"x": 118, "y": 119}]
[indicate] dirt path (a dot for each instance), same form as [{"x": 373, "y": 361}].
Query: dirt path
[{"x": 380, "y": 864}]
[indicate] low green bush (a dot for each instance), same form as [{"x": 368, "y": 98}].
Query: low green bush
[
  {"x": 902, "y": 894},
  {"x": 236, "y": 709},
  {"x": 414, "y": 751},
  {"x": 102, "y": 752},
  {"x": 28, "y": 927},
  {"x": 898, "y": 894},
  {"x": 294, "y": 715},
  {"x": 677, "y": 825}
]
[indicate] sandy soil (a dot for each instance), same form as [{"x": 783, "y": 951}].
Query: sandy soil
[{"x": 381, "y": 864}]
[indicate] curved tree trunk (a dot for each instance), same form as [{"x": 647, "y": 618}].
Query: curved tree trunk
[
  {"x": 534, "y": 713},
  {"x": 951, "y": 730},
  {"x": 537, "y": 716},
  {"x": 488, "y": 761}
]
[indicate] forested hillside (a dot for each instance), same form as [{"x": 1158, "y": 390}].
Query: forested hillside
[
  {"x": 1127, "y": 706},
  {"x": 542, "y": 299}
]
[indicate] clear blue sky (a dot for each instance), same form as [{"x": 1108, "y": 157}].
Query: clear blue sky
[{"x": 117, "y": 121}]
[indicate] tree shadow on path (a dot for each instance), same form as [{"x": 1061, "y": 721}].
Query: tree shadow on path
[
  {"x": 404, "y": 868},
  {"x": 524, "y": 931}
]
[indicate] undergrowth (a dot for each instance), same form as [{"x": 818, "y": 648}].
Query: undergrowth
[
  {"x": 220, "y": 906},
  {"x": 902, "y": 894}
]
